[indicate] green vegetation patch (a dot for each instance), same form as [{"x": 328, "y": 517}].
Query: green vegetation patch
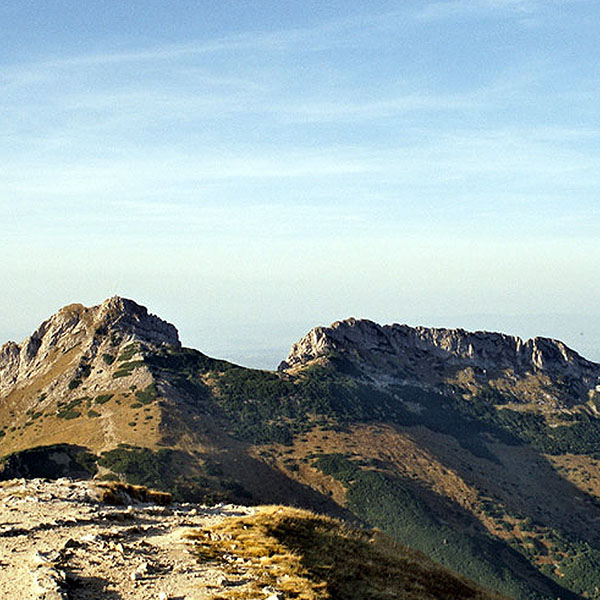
[
  {"x": 186, "y": 368},
  {"x": 385, "y": 502},
  {"x": 148, "y": 395},
  {"x": 75, "y": 383},
  {"x": 140, "y": 466},
  {"x": 581, "y": 571},
  {"x": 581, "y": 436},
  {"x": 159, "y": 470},
  {"x": 126, "y": 369},
  {"x": 67, "y": 410},
  {"x": 109, "y": 359},
  {"x": 575, "y": 564},
  {"x": 128, "y": 352},
  {"x": 52, "y": 462},
  {"x": 103, "y": 398},
  {"x": 33, "y": 414},
  {"x": 267, "y": 407},
  {"x": 69, "y": 414}
]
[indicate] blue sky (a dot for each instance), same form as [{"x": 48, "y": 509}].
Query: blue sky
[{"x": 251, "y": 169}]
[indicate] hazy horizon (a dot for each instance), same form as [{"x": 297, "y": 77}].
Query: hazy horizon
[{"x": 265, "y": 345}]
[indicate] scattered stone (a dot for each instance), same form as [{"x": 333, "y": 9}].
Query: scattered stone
[
  {"x": 225, "y": 582},
  {"x": 40, "y": 558},
  {"x": 77, "y": 544},
  {"x": 48, "y": 584},
  {"x": 142, "y": 571},
  {"x": 272, "y": 593}
]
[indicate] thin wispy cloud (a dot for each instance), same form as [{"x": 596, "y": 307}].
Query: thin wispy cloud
[
  {"x": 356, "y": 31},
  {"x": 366, "y": 108},
  {"x": 477, "y": 8},
  {"x": 335, "y": 33},
  {"x": 276, "y": 153},
  {"x": 344, "y": 111}
]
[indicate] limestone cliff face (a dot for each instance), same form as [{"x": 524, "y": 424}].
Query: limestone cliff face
[
  {"x": 397, "y": 349},
  {"x": 107, "y": 326}
]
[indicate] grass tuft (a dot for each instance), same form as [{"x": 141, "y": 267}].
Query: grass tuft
[{"x": 120, "y": 494}]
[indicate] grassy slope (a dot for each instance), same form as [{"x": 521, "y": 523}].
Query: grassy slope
[{"x": 312, "y": 557}]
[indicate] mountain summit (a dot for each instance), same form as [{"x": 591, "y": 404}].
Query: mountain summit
[
  {"x": 480, "y": 349},
  {"x": 418, "y": 354},
  {"x": 95, "y": 330}
]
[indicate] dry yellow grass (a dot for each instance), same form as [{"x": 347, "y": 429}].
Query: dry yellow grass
[
  {"x": 311, "y": 557},
  {"x": 118, "y": 493}
]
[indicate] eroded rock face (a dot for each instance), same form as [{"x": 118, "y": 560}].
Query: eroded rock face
[
  {"x": 376, "y": 346},
  {"x": 115, "y": 321},
  {"x": 134, "y": 319}
]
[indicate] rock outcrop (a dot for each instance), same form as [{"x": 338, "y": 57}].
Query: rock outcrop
[
  {"x": 114, "y": 322},
  {"x": 83, "y": 377},
  {"x": 395, "y": 348},
  {"x": 59, "y": 541}
]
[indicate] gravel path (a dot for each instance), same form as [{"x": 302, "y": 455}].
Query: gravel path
[{"x": 57, "y": 542}]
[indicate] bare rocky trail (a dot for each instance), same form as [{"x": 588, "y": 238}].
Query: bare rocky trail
[{"x": 58, "y": 542}]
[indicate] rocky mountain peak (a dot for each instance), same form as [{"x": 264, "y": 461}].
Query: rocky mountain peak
[
  {"x": 394, "y": 347},
  {"x": 115, "y": 321},
  {"x": 134, "y": 319}
]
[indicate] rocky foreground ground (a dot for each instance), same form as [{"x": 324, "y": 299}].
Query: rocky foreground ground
[
  {"x": 64, "y": 540},
  {"x": 59, "y": 541}
]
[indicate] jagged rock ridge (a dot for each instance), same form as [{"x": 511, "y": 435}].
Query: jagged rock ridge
[{"x": 386, "y": 344}]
